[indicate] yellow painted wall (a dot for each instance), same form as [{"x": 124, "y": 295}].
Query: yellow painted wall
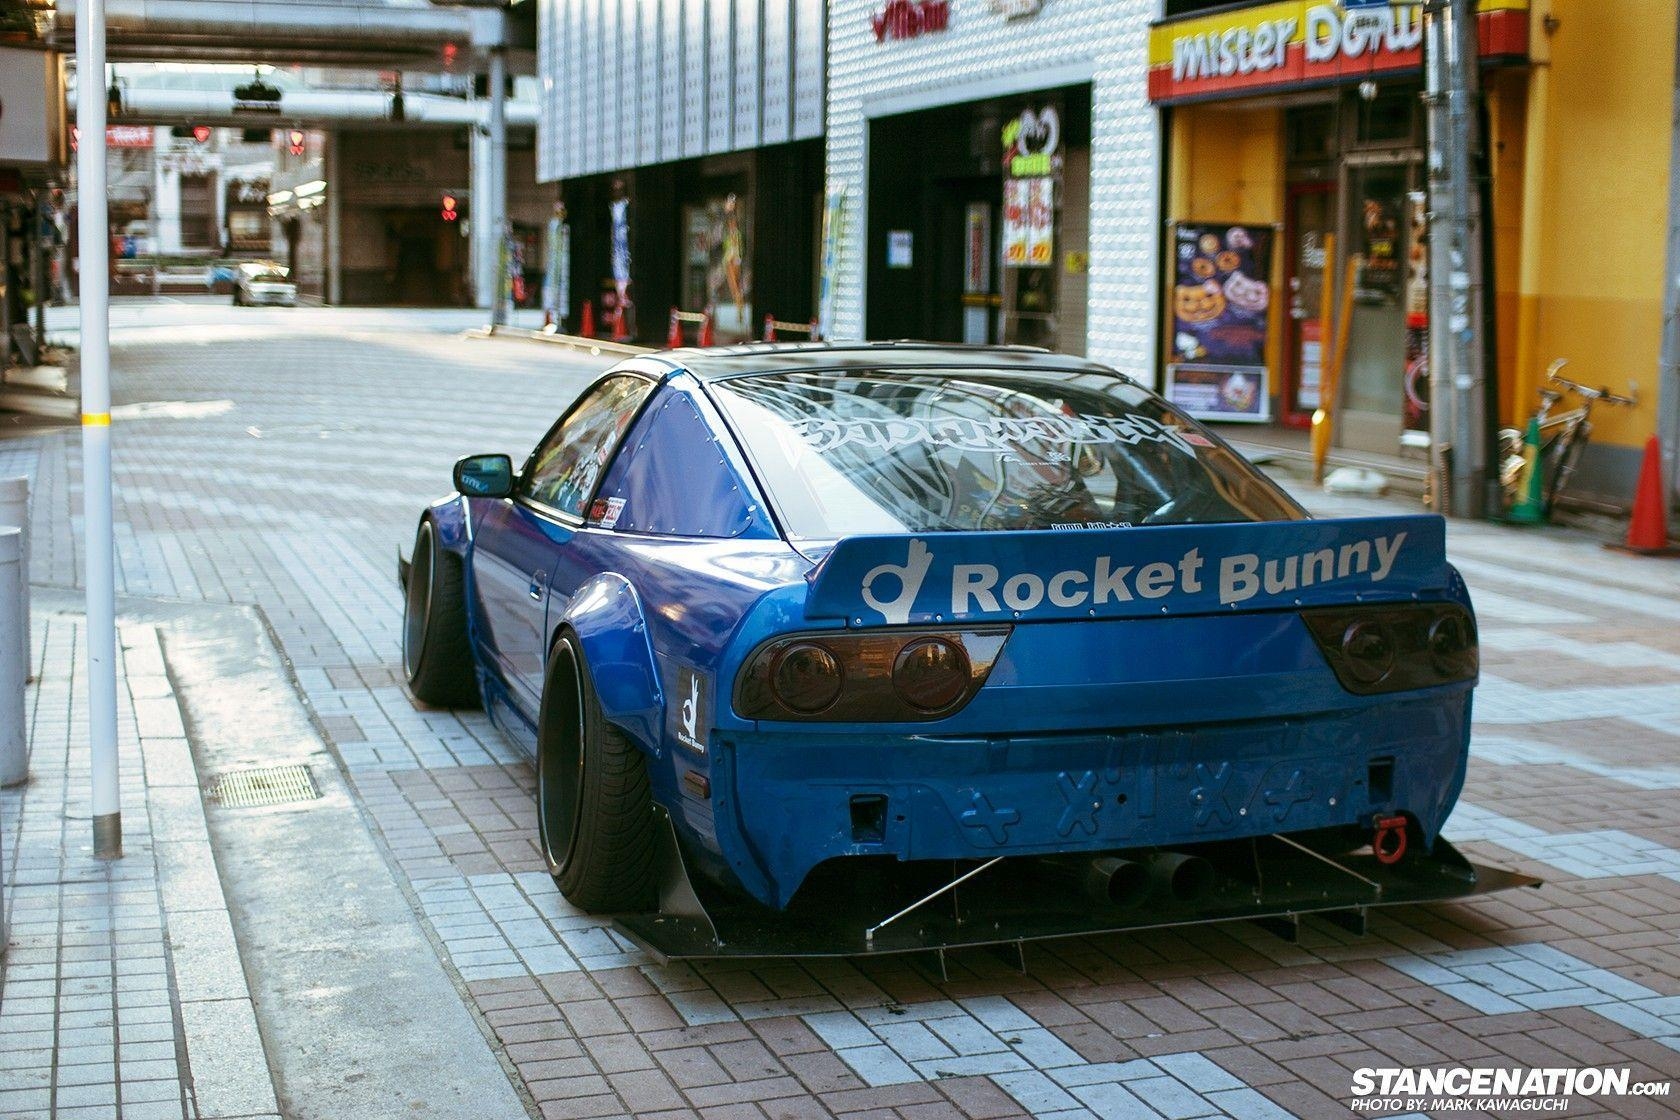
[
  {"x": 1228, "y": 167},
  {"x": 1507, "y": 98},
  {"x": 1598, "y": 301}
]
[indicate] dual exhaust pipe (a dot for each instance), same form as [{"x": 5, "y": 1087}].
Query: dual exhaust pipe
[{"x": 1123, "y": 883}]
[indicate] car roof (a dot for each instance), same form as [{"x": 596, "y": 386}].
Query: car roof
[{"x": 723, "y": 362}]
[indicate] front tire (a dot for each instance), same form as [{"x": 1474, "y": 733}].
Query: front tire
[
  {"x": 594, "y": 807},
  {"x": 437, "y": 655}
]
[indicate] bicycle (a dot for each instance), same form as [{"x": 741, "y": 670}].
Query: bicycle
[{"x": 1562, "y": 436}]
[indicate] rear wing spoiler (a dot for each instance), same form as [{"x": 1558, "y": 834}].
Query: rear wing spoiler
[{"x": 1145, "y": 571}]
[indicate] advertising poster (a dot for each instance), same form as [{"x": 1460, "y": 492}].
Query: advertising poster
[
  {"x": 1041, "y": 222},
  {"x": 1220, "y": 302},
  {"x": 1379, "y": 267},
  {"x": 1219, "y": 392},
  {"x": 1014, "y": 223},
  {"x": 1414, "y": 413},
  {"x": 827, "y": 292},
  {"x": 557, "y": 252},
  {"x": 1220, "y": 295}
]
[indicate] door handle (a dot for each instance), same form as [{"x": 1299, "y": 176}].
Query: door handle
[{"x": 539, "y": 582}]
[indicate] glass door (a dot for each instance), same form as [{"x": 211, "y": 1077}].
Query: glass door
[
  {"x": 1374, "y": 375},
  {"x": 1310, "y": 217}
]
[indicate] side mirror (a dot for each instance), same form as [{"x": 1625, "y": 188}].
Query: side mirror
[{"x": 484, "y": 476}]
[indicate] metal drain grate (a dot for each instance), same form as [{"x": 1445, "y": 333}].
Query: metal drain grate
[{"x": 266, "y": 785}]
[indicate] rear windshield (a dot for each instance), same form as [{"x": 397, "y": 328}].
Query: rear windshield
[
  {"x": 267, "y": 278},
  {"x": 904, "y": 451}
]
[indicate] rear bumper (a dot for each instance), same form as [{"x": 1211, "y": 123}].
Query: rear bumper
[{"x": 797, "y": 799}]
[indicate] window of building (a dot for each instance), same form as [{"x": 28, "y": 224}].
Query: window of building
[{"x": 198, "y": 213}]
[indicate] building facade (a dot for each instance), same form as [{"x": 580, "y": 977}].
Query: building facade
[
  {"x": 992, "y": 175},
  {"x": 684, "y": 139},
  {"x": 1299, "y": 125}
]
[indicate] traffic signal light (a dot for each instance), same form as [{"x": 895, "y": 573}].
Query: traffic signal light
[
  {"x": 294, "y": 141},
  {"x": 198, "y": 132},
  {"x": 449, "y": 212}
]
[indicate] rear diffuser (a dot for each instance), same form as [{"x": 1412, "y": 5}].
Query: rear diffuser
[{"x": 873, "y": 910}]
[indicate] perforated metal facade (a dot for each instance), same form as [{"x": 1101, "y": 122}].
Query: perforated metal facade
[
  {"x": 632, "y": 82},
  {"x": 980, "y": 54}
]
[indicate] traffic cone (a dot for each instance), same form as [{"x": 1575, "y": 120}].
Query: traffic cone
[
  {"x": 706, "y": 330},
  {"x": 673, "y": 333},
  {"x": 619, "y": 334},
  {"x": 769, "y": 328},
  {"x": 1648, "y": 530},
  {"x": 1530, "y": 506},
  {"x": 586, "y": 328}
]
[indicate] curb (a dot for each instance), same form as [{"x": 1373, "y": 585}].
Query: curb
[{"x": 592, "y": 346}]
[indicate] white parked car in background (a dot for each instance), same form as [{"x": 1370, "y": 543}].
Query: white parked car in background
[{"x": 264, "y": 282}]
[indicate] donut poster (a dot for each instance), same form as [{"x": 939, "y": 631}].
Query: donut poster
[{"x": 1221, "y": 302}]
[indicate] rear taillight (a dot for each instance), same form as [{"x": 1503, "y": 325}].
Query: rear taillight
[
  {"x": 885, "y": 676},
  {"x": 1395, "y": 648}
]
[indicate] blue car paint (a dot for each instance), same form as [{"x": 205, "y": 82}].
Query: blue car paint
[{"x": 1239, "y": 723}]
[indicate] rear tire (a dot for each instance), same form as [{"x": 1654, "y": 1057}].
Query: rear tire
[
  {"x": 594, "y": 807},
  {"x": 437, "y": 655}
]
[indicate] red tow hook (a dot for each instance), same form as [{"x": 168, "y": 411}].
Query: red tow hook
[{"x": 1389, "y": 842}]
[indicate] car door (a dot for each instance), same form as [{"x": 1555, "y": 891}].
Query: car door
[{"x": 521, "y": 541}]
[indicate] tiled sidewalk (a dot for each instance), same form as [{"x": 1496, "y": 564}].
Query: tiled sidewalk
[{"x": 122, "y": 994}]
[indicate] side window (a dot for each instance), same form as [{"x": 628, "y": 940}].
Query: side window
[
  {"x": 672, "y": 479},
  {"x": 564, "y": 468}
]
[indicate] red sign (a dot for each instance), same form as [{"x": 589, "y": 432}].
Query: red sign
[
  {"x": 1291, "y": 43},
  {"x": 906, "y": 19},
  {"x": 118, "y": 136},
  {"x": 128, "y": 136}
]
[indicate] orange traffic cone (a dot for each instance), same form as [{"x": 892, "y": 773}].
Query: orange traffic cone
[
  {"x": 1648, "y": 529},
  {"x": 586, "y": 327},
  {"x": 619, "y": 334},
  {"x": 769, "y": 328},
  {"x": 673, "y": 334},
  {"x": 706, "y": 331}
]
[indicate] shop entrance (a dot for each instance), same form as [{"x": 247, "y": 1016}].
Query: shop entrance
[
  {"x": 964, "y": 272},
  {"x": 978, "y": 221},
  {"x": 1310, "y": 220},
  {"x": 1373, "y": 378}
]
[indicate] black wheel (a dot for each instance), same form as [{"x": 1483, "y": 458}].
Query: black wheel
[
  {"x": 237, "y": 302},
  {"x": 436, "y": 653},
  {"x": 1563, "y": 456},
  {"x": 594, "y": 809}
]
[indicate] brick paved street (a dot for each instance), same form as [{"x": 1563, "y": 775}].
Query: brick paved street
[{"x": 294, "y": 496}]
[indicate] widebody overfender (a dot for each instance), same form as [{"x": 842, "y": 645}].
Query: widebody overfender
[
  {"x": 606, "y": 615},
  {"x": 449, "y": 521}
]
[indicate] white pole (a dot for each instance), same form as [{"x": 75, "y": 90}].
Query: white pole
[
  {"x": 14, "y": 737},
  {"x": 14, "y": 510},
  {"x": 92, "y": 226}
]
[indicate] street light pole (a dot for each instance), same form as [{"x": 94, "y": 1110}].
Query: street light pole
[
  {"x": 92, "y": 225},
  {"x": 1457, "y": 312}
]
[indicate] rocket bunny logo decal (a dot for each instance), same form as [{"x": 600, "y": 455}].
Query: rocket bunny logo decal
[
  {"x": 909, "y": 576},
  {"x": 691, "y": 715}
]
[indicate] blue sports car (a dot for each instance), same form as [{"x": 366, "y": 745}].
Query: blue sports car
[{"x": 833, "y": 648}]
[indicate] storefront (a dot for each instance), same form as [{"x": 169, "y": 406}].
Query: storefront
[
  {"x": 992, "y": 176},
  {"x": 734, "y": 235},
  {"x": 984, "y": 240},
  {"x": 685, "y": 146},
  {"x": 1295, "y": 148}
]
